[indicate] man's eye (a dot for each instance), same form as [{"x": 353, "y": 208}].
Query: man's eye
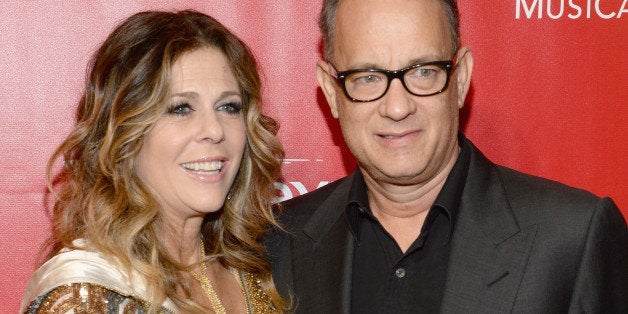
[
  {"x": 366, "y": 79},
  {"x": 231, "y": 107},
  {"x": 424, "y": 72},
  {"x": 180, "y": 109}
]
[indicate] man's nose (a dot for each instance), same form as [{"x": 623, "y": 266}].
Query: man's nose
[{"x": 397, "y": 104}]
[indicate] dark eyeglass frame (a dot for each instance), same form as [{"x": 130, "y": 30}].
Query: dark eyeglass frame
[{"x": 341, "y": 76}]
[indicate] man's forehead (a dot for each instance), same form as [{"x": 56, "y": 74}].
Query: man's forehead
[{"x": 372, "y": 34}]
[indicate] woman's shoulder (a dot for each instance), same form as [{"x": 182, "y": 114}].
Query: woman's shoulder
[
  {"x": 85, "y": 297},
  {"x": 75, "y": 266},
  {"x": 69, "y": 275}
]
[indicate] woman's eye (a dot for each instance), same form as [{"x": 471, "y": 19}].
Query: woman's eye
[
  {"x": 180, "y": 109},
  {"x": 231, "y": 107}
]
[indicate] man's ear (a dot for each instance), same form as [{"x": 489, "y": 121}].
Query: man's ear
[
  {"x": 327, "y": 84},
  {"x": 464, "y": 68}
]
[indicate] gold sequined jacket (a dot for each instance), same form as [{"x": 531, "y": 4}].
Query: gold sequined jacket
[{"x": 80, "y": 281}]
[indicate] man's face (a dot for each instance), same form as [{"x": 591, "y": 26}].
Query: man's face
[{"x": 399, "y": 139}]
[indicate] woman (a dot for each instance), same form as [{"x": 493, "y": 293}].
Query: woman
[{"x": 168, "y": 178}]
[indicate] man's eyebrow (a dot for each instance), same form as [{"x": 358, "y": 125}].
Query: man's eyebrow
[
  {"x": 426, "y": 59},
  {"x": 367, "y": 66}
]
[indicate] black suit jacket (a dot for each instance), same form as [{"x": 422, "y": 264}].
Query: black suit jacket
[{"x": 521, "y": 244}]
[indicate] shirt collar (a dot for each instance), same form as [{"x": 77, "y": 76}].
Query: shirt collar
[{"x": 447, "y": 201}]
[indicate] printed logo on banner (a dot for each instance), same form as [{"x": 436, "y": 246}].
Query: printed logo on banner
[
  {"x": 288, "y": 190},
  {"x": 572, "y": 9}
]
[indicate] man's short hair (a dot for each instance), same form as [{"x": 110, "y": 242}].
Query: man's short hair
[{"x": 327, "y": 19}]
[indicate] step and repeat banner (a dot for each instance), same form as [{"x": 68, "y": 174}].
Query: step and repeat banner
[{"x": 548, "y": 96}]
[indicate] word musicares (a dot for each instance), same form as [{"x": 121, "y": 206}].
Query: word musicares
[{"x": 572, "y": 9}]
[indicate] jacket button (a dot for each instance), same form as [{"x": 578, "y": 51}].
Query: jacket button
[{"x": 400, "y": 272}]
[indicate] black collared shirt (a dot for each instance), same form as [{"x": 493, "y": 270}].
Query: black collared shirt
[{"x": 386, "y": 280}]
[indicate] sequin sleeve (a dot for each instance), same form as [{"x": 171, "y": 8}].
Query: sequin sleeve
[{"x": 85, "y": 298}]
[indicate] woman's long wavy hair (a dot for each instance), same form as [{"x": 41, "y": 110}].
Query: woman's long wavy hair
[{"x": 100, "y": 197}]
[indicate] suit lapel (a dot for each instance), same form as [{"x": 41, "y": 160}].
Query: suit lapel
[
  {"x": 323, "y": 256},
  {"x": 489, "y": 249},
  {"x": 488, "y": 255}
]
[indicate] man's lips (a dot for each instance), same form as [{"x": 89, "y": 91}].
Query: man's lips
[{"x": 396, "y": 135}]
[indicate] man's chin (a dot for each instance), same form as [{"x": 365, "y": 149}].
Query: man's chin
[{"x": 397, "y": 176}]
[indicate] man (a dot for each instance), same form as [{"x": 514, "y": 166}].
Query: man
[{"x": 426, "y": 223}]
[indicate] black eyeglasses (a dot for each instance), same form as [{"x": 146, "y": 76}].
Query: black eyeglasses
[{"x": 421, "y": 79}]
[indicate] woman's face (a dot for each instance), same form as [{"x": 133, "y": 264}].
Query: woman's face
[{"x": 191, "y": 156}]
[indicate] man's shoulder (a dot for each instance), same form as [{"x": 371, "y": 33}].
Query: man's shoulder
[
  {"x": 532, "y": 199},
  {"x": 523, "y": 187},
  {"x": 300, "y": 208},
  {"x": 538, "y": 200},
  {"x": 536, "y": 189},
  {"x": 317, "y": 195}
]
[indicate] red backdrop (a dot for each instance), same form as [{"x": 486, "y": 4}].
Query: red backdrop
[{"x": 548, "y": 96}]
